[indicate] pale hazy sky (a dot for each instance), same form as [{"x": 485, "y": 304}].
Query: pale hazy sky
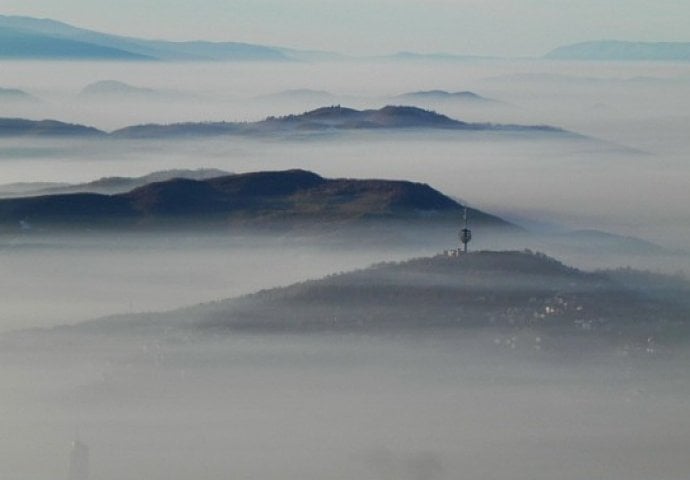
[{"x": 493, "y": 27}]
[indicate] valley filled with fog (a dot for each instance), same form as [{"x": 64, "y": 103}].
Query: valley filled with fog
[
  {"x": 341, "y": 407},
  {"x": 434, "y": 405}
]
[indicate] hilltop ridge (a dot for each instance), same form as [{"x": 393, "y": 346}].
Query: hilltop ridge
[
  {"x": 335, "y": 118},
  {"x": 287, "y": 199},
  {"x": 520, "y": 294},
  {"x": 27, "y": 37},
  {"x": 19, "y": 127}
]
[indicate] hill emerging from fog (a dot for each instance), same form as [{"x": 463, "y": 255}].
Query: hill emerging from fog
[
  {"x": 333, "y": 119},
  {"x": 107, "y": 185},
  {"x": 291, "y": 199},
  {"x": 513, "y": 290},
  {"x": 524, "y": 297},
  {"x": 19, "y": 127},
  {"x": 321, "y": 120},
  {"x": 617, "y": 50},
  {"x": 115, "y": 89}
]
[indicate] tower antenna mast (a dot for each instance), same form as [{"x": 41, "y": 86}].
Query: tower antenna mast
[{"x": 465, "y": 233}]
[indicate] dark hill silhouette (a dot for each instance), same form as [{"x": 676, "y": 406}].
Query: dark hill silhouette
[
  {"x": 288, "y": 199},
  {"x": 73, "y": 208},
  {"x": 13, "y": 127},
  {"x": 270, "y": 184},
  {"x": 338, "y": 117},
  {"x": 333, "y": 118},
  {"x": 401, "y": 116},
  {"x": 178, "y": 197}
]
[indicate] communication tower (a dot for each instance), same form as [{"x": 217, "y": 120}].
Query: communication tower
[{"x": 465, "y": 233}]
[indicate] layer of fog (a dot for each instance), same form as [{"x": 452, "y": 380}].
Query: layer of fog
[
  {"x": 342, "y": 407},
  {"x": 572, "y": 184},
  {"x": 567, "y": 93},
  {"x": 642, "y": 106},
  {"x": 49, "y": 280},
  {"x": 339, "y": 407},
  {"x": 560, "y": 185}
]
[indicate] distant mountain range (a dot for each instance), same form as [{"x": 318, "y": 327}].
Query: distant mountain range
[
  {"x": 31, "y": 38},
  {"x": 284, "y": 199},
  {"x": 616, "y": 50},
  {"x": 333, "y": 119},
  {"x": 106, "y": 185},
  {"x": 45, "y": 39}
]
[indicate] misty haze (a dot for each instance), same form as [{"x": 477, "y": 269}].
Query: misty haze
[{"x": 229, "y": 260}]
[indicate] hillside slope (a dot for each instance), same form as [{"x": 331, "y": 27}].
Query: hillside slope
[
  {"x": 334, "y": 119},
  {"x": 508, "y": 290},
  {"x": 326, "y": 119},
  {"x": 19, "y": 127},
  {"x": 266, "y": 199},
  {"x": 524, "y": 299},
  {"x": 33, "y": 38}
]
